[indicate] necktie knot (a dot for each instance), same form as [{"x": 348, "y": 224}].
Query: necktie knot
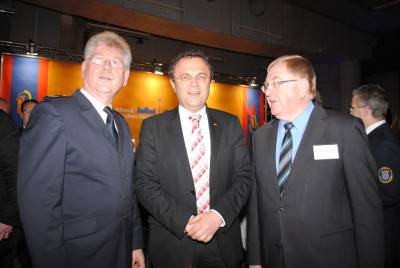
[
  {"x": 110, "y": 114},
  {"x": 195, "y": 118},
  {"x": 288, "y": 126}
]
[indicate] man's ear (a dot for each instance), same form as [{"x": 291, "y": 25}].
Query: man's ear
[
  {"x": 83, "y": 68},
  {"x": 303, "y": 87},
  {"x": 126, "y": 76}
]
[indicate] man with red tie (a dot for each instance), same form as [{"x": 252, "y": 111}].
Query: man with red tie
[{"x": 193, "y": 175}]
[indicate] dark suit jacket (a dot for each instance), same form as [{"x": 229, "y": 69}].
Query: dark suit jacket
[
  {"x": 330, "y": 213},
  {"x": 385, "y": 146},
  {"x": 8, "y": 170},
  {"x": 8, "y": 179},
  {"x": 75, "y": 190},
  {"x": 164, "y": 186}
]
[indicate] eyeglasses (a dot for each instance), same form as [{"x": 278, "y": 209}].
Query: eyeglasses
[
  {"x": 186, "y": 78},
  {"x": 276, "y": 84},
  {"x": 351, "y": 109},
  {"x": 100, "y": 60}
]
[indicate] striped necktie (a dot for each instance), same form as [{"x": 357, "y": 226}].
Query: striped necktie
[
  {"x": 285, "y": 157},
  {"x": 199, "y": 165}
]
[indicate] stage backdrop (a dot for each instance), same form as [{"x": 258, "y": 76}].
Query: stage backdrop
[{"x": 146, "y": 94}]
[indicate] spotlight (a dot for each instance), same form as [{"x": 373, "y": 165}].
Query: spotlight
[
  {"x": 158, "y": 67},
  {"x": 253, "y": 82},
  {"x": 31, "y": 48}
]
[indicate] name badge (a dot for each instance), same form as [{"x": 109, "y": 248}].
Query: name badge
[{"x": 322, "y": 152}]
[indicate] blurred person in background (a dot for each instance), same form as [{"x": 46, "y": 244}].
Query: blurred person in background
[{"x": 370, "y": 104}]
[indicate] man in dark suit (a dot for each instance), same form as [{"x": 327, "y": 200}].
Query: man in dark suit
[
  {"x": 316, "y": 201},
  {"x": 8, "y": 189},
  {"x": 193, "y": 175},
  {"x": 369, "y": 103},
  {"x": 75, "y": 190}
]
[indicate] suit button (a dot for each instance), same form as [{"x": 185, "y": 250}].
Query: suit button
[
  {"x": 122, "y": 176},
  {"x": 125, "y": 196},
  {"x": 281, "y": 210},
  {"x": 192, "y": 192}
]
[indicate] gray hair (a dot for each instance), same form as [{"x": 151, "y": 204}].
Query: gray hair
[
  {"x": 110, "y": 39},
  {"x": 373, "y": 96}
]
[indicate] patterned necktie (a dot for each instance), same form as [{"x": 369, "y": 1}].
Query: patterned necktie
[
  {"x": 285, "y": 157},
  {"x": 199, "y": 166},
  {"x": 110, "y": 125}
]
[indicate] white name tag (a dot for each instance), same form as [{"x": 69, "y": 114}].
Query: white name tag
[{"x": 322, "y": 152}]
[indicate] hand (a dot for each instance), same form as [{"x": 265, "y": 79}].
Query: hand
[
  {"x": 137, "y": 258},
  {"x": 5, "y": 231},
  {"x": 203, "y": 226},
  {"x": 255, "y": 266}
]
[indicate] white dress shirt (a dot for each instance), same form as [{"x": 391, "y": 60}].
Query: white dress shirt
[
  {"x": 187, "y": 125},
  {"x": 98, "y": 105},
  {"x": 374, "y": 125}
]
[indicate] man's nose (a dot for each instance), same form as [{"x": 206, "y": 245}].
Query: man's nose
[{"x": 107, "y": 64}]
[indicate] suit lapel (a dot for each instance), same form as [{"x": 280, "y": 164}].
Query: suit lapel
[
  {"x": 271, "y": 151},
  {"x": 215, "y": 129},
  {"x": 312, "y": 134},
  {"x": 174, "y": 131},
  {"x": 121, "y": 134},
  {"x": 92, "y": 117}
]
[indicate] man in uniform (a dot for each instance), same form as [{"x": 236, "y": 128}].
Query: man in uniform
[{"x": 369, "y": 103}]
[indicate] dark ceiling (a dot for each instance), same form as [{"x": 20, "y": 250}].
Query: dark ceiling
[
  {"x": 380, "y": 18},
  {"x": 365, "y": 15}
]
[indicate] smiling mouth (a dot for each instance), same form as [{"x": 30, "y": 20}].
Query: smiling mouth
[{"x": 105, "y": 78}]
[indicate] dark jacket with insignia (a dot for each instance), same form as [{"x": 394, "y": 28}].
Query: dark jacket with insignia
[{"x": 385, "y": 147}]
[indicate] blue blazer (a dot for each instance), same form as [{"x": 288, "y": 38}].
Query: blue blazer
[{"x": 75, "y": 189}]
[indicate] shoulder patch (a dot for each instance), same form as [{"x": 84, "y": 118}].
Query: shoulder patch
[{"x": 385, "y": 175}]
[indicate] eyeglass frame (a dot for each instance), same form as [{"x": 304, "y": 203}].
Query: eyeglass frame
[
  {"x": 351, "y": 109},
  {"x": 27, "y": 111},
  {"x": 101, "y": 60},
  {"x": 276, "y": 84},
  {"x": 187, "y": 78}
]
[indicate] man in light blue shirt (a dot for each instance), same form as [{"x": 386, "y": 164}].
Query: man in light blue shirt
[{"x": 315, "y": 202}]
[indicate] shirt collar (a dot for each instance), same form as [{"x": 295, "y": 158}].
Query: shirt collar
[
  {"x": 374, "y": 125},
  {"x": 300, "y": 122},
  {"x": 185, "y": 113},
  {"x": 98, "y": 105}
]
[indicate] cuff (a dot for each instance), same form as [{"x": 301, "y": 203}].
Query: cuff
[{"x": 222, "y": 218}]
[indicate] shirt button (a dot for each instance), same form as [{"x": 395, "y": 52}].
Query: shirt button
[{"x": 281, "y": 210}]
